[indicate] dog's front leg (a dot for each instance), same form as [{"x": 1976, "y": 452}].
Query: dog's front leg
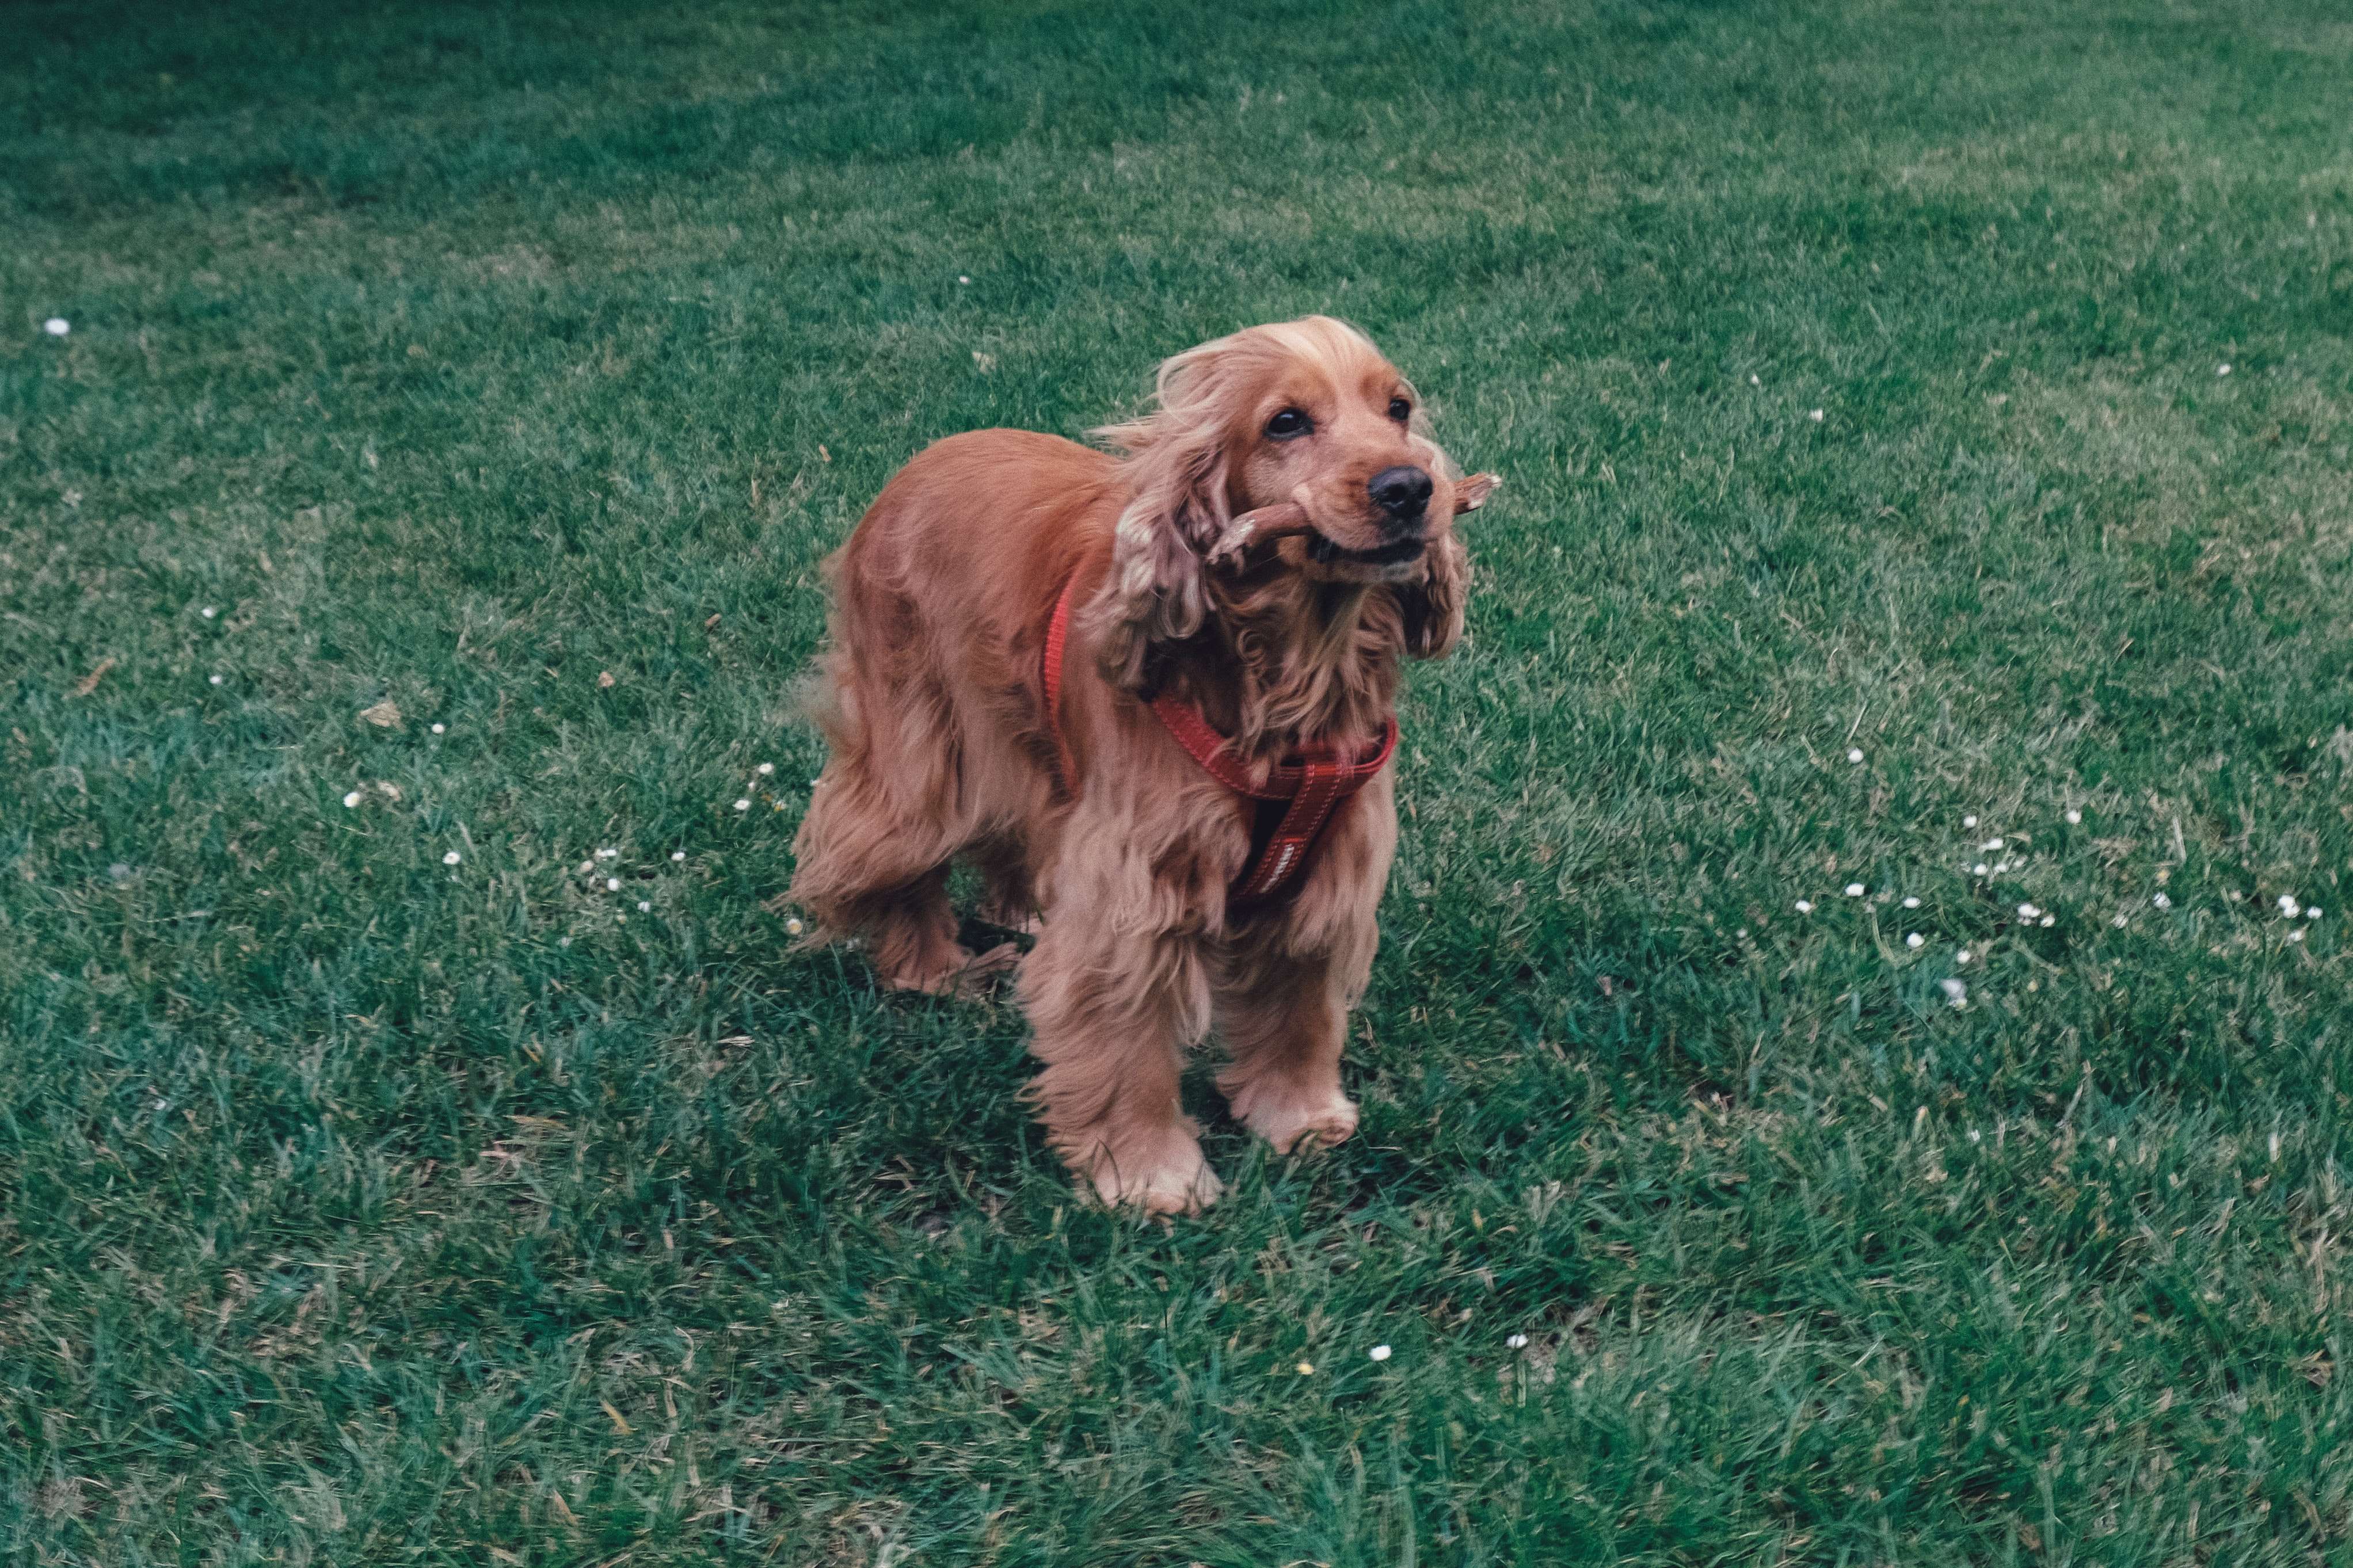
[
  {"x": 1112, "y": 1010},
  {"x": 1284, "y": 1028},
  {"x": 1288, "y": 977}
]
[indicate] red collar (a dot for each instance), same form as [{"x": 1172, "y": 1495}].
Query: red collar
[{"x": 1313, "y": 783}]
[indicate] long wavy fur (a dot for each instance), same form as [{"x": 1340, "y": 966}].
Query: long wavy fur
[{"x": 1313, "y": 659}]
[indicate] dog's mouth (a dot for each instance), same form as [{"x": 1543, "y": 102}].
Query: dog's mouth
[{"x": 1397, "y": 553}]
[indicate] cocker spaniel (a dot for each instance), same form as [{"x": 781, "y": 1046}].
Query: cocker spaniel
[{"x": 1150, "y": 694}]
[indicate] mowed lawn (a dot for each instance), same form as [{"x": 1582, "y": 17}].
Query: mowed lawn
[{"x": 1924, "y": 425}]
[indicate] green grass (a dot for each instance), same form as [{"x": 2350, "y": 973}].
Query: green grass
[{"x": 356, "y": 1207}]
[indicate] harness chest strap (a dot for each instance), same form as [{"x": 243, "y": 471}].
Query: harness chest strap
[{"x": 1311, "y": 788}]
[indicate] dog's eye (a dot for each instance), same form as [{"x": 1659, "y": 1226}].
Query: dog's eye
[
  {"x": 1291, "y": 422},
  {"x": 1400, "y": 410}
]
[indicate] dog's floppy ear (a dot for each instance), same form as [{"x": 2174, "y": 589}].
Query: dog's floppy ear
[
  {"x": 1433, "y": 606},
  {"x": 1176, "y": 469},
  {"x": 1155, "y": 594}
]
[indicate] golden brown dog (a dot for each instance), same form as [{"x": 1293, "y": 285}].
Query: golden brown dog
[{"x": 1093, "y": 818}]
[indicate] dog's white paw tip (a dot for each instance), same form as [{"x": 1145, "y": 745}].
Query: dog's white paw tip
[
  {"x": 1176, "y": 1187},
  {"x": 1321, "y": 1133},
  {"x": 1291, "y": 1128},
  {"x": 1325, "y": 1133}
]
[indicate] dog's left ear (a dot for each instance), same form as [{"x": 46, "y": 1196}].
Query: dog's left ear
[{"x": 1433, "y": 607}]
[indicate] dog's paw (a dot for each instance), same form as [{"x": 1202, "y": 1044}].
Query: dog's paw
[
  {"x": 930, "y": 965},
  {"x": 1287, "y": 1116},
  {"x": 979, "y": 974},
  {"x": 1174, "y": 1179},
  {"x": 1018, "y": 918},
  {"x": 949, "y": 970}
]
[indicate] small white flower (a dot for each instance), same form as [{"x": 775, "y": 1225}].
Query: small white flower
[
  {"x": 1517, "y": 1342},
  {"x": 563, "y": 942},
  {"x": 2312, "y": 911},
  {"x": 2296, "y": 935},
  {"x": 1956, "y": 991},
  {"x": 353, "y": 799},
  {"x": 612, "y": 884},
  {"x": 1854, "y": 890},
  {"x": 1969, "y": 822},
  {"x": 1816, "y": 417},
  {"x": 215, "y": 680},
  {"x": 608, "y": 854},
  {"x": 2221, "y": 370},
  {"x": 768, "y": 768},
  {"x": 1914, "y": 939},
  {"x": 209, "y": 612},
  {"x": 2161, "y": 901},
  {"x": 440, "y": 729},
  {"x": 1854, "y": 753},
  {"x": 792, "y": 928},
  {"x": 2027, "y": 911},
  {"x": 1976, "y": 1136},
  {"x": 1913, "y": 902},
  {"x": 645, "y": 908},
  {"x": 1742, "y": 933},
  {"x": 1962, "y": 956},
  {"x": 1990, "y": 844},
  {"x": 744, "y": 804},
  {"x": 451, "y": 859},
  {"x": 586, "y": 866},
  {"x": 1978, "y": 869},
  {"x": 1378, "y": 1352},
  {"x": 1805, "y": 907},
  {"x": 2074, "y": 816},
  {"x": 1754, "y": 382},
  {"x": 56, "y": 326},
  {"x": 678, "y": 854},
  {"x": 2047, "y": 921},
  {"x": 962, "y": 279},
  {"x": 2289, "y": 907}
]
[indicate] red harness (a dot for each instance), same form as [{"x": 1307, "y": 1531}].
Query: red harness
[{"x": 1310, "y": 786}]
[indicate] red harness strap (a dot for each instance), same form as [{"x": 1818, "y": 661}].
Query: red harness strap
[{"x": 1311, "y": 787}]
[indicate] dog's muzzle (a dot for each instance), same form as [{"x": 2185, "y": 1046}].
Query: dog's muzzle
[{"x": 1398, "y": 553}]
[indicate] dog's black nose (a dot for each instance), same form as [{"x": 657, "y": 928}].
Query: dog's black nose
[{"x": 1402, "y": 492}]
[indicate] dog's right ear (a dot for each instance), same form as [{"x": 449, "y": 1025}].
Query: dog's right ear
[
  {"x": 1154, "y": 595},
  {"x": 1157, "y": 592}
]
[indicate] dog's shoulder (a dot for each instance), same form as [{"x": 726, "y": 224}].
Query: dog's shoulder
[{"x": 1023, "y": 470}]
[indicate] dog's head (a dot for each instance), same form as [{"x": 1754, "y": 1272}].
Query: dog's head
[{"x": 1308, "y": 412}]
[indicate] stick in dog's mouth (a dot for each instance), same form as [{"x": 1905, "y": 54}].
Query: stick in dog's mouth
[{"x": 1285, "y": 518}]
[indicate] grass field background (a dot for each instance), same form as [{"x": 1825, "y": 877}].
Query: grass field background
[{"x": 1859, "y": 373}]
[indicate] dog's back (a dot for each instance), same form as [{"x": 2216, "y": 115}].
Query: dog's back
[
  {"x": 973, "y": 526},
  {"x": 929, "y": 690}
]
